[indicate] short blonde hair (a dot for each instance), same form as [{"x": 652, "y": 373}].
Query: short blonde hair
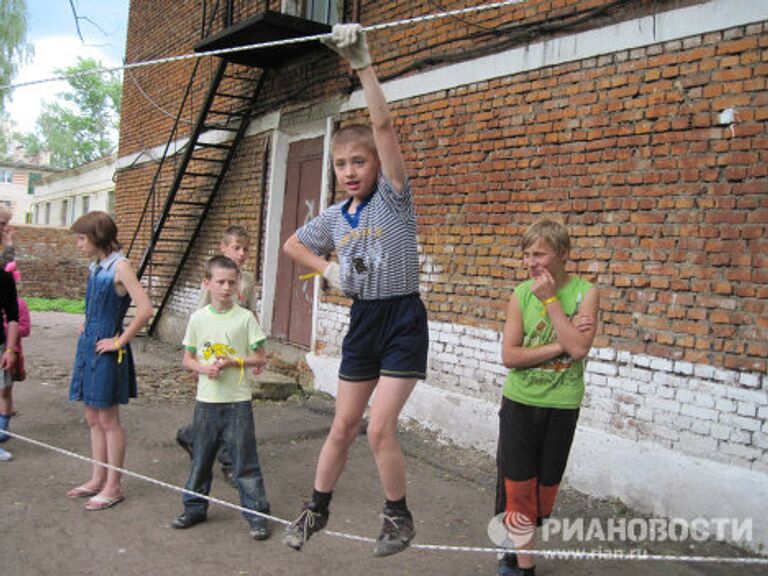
[
  {"x": 552, "y": 232},
  {"x": 354, "y": 134},
  {"x": 234, "y": 231}
]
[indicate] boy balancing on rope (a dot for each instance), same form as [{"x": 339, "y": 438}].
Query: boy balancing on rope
[
  {"x": 374, "y": 235},
  {"x": 551, "y": 322},
  {"x": 222, "y": 342}
]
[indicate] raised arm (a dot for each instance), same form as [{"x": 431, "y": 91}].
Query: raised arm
[{"x": 349, "y": 41}]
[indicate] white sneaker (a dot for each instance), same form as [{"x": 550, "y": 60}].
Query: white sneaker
[{"x": 5, "y": 455}]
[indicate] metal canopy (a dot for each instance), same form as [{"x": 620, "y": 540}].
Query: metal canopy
[{"x": 265, "y": 27}]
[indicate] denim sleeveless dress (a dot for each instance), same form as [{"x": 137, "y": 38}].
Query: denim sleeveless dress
[{"x": 103, "y": 380}]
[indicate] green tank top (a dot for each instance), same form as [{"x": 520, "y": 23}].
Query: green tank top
[{"x": 559, "y": 383}]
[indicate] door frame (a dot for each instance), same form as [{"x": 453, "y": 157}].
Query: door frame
[{"x": 282, "y": 138}]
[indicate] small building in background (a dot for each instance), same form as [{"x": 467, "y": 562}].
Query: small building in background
[
  {"x": 18, "y": 176},
  {"x": 60, "y": 199}
]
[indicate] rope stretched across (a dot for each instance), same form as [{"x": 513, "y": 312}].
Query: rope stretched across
[
  {"x": 262, "y": 45},
  {"x": 553, "y": 554}
]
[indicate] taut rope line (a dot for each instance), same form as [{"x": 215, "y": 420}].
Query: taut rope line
[
  {"x": 556, "y": 554},
  {"x": 262, "y": 45}
]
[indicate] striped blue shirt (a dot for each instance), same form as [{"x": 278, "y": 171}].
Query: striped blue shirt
[{"x": 376, "y": 246}]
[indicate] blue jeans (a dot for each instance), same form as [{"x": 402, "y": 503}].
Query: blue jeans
[{"x": 231, "y": 424}]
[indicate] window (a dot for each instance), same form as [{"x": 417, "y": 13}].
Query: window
[
  {"x": 321, "y": 11},
  {"x": 63, "y": 213},
  {"x": 86, "y": 204},
  {"x": 34, "y": 178},
  {"x": 324, "y": 11},
  {"x": 6, "y": 176},
  {"x": 47, "y": 213}
]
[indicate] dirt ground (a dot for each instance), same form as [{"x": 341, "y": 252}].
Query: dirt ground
[{"x": 450, "y": 490}]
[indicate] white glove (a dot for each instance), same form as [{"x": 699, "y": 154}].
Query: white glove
[
  {"x": 332, "y": 275},
  {"x": 349, "y": 41}
]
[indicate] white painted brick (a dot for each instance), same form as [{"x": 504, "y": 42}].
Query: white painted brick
[
  {"x": 703, "y": 371},
  {"x": 625, "y": 384},
  {"x": 698, "y": 412},
  {"x": 624, "y": 357},
  {"x": 663, "y": 409},
  {"x": 605, "y": 353},
  {"x": 682, "y": 367},
  {"x": 603, "y": 368},
  {"x": 696, "y": 444},
  {"x": 661, "y": 364},
  {"x": 626, "y": 409},
  {"x": 665, "y": 392},
  {"x": 642, "y": 360},
  {"x": 701, "y": 427},
  {"x": 670, "y": 380},
  {"x": 704, "y": 400},
  {"x": 747, "y": 409},
  {"x": 685, "y": 396},
  {"x": 760, "y": 440},
  {"x": 647, "y": 388},
  {"x": 751, "y": 424},
  {"x": 740, "y": 437},
  {"x": 750, "y": 380},
  {"x": 759, "y": 397},
  {"x": 644, "y": 414},
  {"x": 665, "y": 433},
  {"x": 726, "y": 406},
  {"x": 727, "y": 376},
  {"x": 760, "y": 466},
  {"x": 598, "y": 388},
  {"x": 671, "y": 420},
  {"x": 746, "y": 452},
  {"x": 642, "y": 375},
  {"x": 762, "y": 412},
  {"x": 720, "y": 431}
]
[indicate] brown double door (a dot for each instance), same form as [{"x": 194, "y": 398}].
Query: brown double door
[{"x": 292, "y": 319}]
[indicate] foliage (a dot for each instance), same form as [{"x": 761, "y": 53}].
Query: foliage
[
  {"x": 55, "y": 305},
  {"x": 81, "y": 125},
  {"x": 14, "y": 50}
]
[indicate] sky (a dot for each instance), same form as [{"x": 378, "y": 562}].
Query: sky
[{"x": 53, "y": 33}]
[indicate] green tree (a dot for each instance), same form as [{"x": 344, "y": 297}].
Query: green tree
[
  {"x": 82, "y": 124},
  {"x": 14, "y": 49}
]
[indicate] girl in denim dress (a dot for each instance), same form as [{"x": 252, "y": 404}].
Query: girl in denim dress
[{"x": 103, "y": 376}]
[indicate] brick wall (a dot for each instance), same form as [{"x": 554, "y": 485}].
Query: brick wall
[
  {"x": 50, "y": 264},
  {"x": 667, "y": 209}
]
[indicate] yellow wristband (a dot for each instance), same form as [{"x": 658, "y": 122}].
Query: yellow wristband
[
  {"x": 548, "y": 301},
  {"x": 119, "y": 350}
]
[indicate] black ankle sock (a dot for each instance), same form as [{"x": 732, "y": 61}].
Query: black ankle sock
[
  {"x": 321, "y": 501},
  {"x": 398, "y": 506}
]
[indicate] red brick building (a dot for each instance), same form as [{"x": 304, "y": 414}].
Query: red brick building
[{"x": 641, "y": 124}]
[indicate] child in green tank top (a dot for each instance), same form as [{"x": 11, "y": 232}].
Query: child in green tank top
[{"x": 550, "y": 325}]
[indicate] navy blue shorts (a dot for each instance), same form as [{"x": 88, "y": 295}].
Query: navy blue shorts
[{"x": 386, "y": 338}]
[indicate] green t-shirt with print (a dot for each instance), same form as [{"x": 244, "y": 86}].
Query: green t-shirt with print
[
  {"x": 559, "y": 382},
  {"x": 233, "y": 333}
]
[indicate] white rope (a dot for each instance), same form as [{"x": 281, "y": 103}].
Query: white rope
[
  {"x": 555, "y": 554},
  {"x": 259, "y": 46}
]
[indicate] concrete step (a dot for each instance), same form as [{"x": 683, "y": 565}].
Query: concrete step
[{"x": 273, "y": 386}]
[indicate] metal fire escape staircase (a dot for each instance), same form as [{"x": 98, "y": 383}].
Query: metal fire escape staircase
[{"x": 168, "y": 229}]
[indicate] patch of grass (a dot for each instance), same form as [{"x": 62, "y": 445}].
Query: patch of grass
[{"x": 56, "y": 305}]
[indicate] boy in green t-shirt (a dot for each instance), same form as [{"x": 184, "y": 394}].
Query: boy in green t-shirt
[
  {"x": 235, "y": 245},
  {"x": 221, "y": 342},
  {"x": 551, "y": 323}
]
